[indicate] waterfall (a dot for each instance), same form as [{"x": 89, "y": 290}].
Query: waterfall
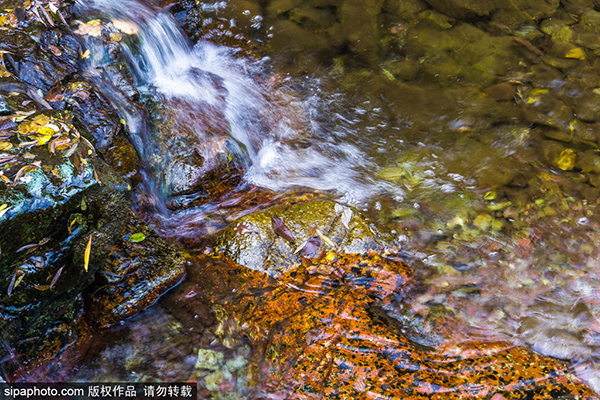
[{"x": 206, "y": 100}]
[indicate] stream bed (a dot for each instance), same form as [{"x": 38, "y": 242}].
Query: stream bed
[{"x": 469, "y": 131}]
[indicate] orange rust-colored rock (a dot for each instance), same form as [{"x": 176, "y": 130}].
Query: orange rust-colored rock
[{"x": 315, "y": 336}]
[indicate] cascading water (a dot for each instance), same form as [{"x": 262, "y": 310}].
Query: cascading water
[{"x": 215, "y": 103}]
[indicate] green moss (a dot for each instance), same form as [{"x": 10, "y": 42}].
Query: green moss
[{"x": 251, "y": 241}]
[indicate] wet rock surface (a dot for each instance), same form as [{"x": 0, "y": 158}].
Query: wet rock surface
[
  {"x": 58, "y": 199},
  {"x": 190, "y": 154},
  {"x": 139, "y": 269},
  {"x": 318, "y": 326},
  {"x": 63, "y": 210}
]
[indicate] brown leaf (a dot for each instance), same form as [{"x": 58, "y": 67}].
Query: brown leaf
[
  {"x": 42, "y": 288},
  {"x": 280, "y": 229},
  {"x": 56, "y": 51},
  {"x": 56, "y": 276},
  {"x": 59, "y": 143},
  {"x": 310, "y": 246},
  {"x": 24, "y": 171},
  {"x": 54, "y": 94}
]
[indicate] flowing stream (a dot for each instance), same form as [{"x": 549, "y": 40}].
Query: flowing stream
[{"x": 433, "y": 160}]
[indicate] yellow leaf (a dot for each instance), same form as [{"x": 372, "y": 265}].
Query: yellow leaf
[
  {"x": 45, "y": 131},
  {"x": 27, "y": 126},
  {"x": 5, "y": 146},
  {"x": 577, "y": 53},
  {"x": 19, "y": 279},
  {"x": 95, "y": 22},
  {"x": 4, "y": 208},
  {"x": 95, "y": 31},
  {"x": 41, "y": 119},
  {"x": 42, "y": 139},
  {"x": 535, "y": 95},
  {"x": 85, "y": 55},
  {"x": 86, "y": 255},
  {"x": 566, "y": 160},
  {"x": 115, "y": 36},
  {"x": 70, "y": 227},
  {"x": 56, "y": 173}
]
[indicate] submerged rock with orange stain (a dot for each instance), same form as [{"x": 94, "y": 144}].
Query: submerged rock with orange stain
[{"x": 316, "y": 329}]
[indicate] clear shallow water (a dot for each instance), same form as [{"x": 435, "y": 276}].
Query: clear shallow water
[{"x": 504, "y": 240}]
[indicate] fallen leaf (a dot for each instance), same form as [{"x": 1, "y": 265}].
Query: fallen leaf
[
  {"x": 85, "y": 54},
  {"x": 28, "y": 144},
  {"x": 577, "y": 53},
  {"x": 7, "y": 123},
  {"x": 58, "y": 144},
  {"x": 86, "y": 255},
  {"x": 55, "y": 50},
  {"x": 54, "y": 94},
  {"x": 4, "y": 209},
  {"x": 16, "y": 279},
  {"x": 24, "y": 171},
  {"x": 56, "y": 276},
  {"x": 137, "y": 237},
  {"x": 28, "y": 247},
  {"x": 127, "y": 27},
  {"x": 41, "y": 119},
  {"x": 280, "y": 229},
  {"x": 321, "y": 269},
  {"x": 115, "y": 36},
  {"x": 325, "y": 238},
  {"x": 26, "y": 127},
  {"x": 70, "y": 152},
  {"x": 11, "y": 284},
  {"x": 309, "y": 246},
  {"x": 19, "y": 279}
]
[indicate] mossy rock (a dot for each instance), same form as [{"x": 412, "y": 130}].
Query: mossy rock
[
  {"x": 252, "y": 242},
  {"x": 139, "y": 269},
  {"x": 62, "y": 208},
  {"x": 461, "y": 53},
  {"x": 464, "y": 8},
  {"x": 68, "y": 201}
]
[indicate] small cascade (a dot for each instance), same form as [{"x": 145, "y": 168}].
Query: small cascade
[{"x": 208, "y": 106}]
